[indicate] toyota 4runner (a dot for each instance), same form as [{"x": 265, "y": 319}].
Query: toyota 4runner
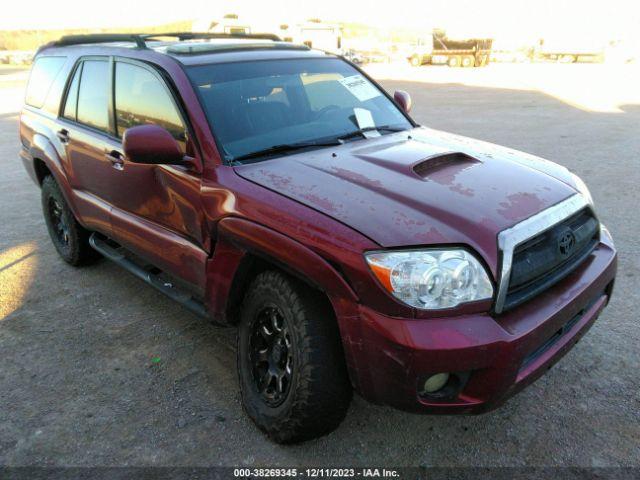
[{"x": 280, "y": 189}]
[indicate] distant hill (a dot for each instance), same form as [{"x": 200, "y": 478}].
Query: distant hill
[{"x": 32, "y": 39}]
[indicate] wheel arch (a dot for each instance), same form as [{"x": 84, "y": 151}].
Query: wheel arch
[
  {"x": 244, "y": 249},
  {"x": 45, "y": 158},
  {"x": 46, "y": 161},
  {"x": 41, "y": 170}
]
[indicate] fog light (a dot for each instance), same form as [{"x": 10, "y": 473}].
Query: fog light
[{"x": 435, "y": 382}]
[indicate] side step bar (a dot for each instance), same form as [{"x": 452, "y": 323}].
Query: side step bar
[{"x": 151, "y": 278}]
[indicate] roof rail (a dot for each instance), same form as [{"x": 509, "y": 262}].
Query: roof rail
[
  {"x": 207, "y": 35},
  {"x": 140, "y": 38},
  {"x": 67, "y": 40}
]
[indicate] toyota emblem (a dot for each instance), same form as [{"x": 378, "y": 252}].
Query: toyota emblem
[{"x": 566, "y": 243}]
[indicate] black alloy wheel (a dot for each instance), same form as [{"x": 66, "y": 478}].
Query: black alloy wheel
[{"x": 271, "y": 355}]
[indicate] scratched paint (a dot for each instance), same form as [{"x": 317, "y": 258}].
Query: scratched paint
[{"x": 371, "y": 185}]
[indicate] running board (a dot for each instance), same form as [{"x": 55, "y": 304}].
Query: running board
[{"x": 151, "y": 278}]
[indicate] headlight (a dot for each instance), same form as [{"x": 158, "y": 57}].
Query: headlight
[
  {"x": 431, "y": 278},
  {"x": 582, "y": 188}
]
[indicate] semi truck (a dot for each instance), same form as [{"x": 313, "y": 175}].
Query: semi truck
[{"x": 440, "y": 49}]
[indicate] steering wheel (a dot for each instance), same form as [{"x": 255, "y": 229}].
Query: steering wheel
[{"x": 325, "y": 110}]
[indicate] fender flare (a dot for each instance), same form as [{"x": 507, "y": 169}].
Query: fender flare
[
  {"x": 42, "y": 149},
  {"x": 238, "y": 237}
]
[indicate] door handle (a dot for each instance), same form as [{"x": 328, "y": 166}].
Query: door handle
[
  {"x": 116, "y": 159},
  {"x": 63, "y": 135}
]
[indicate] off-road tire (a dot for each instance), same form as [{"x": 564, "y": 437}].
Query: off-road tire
[
  {"x": 319, "y": 390},
  {"x": 75, "y": 250}
]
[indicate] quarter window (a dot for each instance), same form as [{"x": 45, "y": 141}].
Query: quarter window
[
  {"x": 93, "y": 95},
  {"x": 43, "y": 74},
  {"x": 142, "y": 98}
]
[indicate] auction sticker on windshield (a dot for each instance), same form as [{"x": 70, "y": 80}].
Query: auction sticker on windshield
[{"x": 360, "y": 87}]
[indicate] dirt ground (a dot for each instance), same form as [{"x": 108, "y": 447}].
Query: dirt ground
[{"x": 80, "y": 379}]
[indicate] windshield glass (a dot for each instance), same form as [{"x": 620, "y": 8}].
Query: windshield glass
[{"x": 260, "y": 105}]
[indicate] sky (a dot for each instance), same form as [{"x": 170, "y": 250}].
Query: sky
[{"x": 612, "y": 18}]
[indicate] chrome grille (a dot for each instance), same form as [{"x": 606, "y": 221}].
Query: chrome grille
[{"x": 533, "y": 258}]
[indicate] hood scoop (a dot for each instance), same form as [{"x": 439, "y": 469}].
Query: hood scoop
[{"x": 436, "y": 164}]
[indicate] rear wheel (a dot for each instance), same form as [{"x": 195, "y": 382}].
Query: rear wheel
[
  {"x": 454, "y": 61},
  {"x": 468, "y": 61},
  {"x": 293, "y": 378},
  {"x": 415, "y": 61},
  {"x": 69, "y": 238}
]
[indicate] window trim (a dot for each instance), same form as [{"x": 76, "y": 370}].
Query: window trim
[
  {"x": 67, "y": 91},
  {"x": 163, "y": 77},
  {"x": 112, "y": 134},
  {"x": 80, "y": 64},
  {"x": 151, "y": 69}
]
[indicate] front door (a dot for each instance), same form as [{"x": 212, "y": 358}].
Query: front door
[{"x": 157, "y": 210}]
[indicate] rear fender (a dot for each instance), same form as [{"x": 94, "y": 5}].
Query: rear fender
[{"x": 42, "y": 149}]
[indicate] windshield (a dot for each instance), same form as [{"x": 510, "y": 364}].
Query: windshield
[{"x": 255, "y": 106}]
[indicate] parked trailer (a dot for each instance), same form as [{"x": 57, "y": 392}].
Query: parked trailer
[{"x": 571, "y": 50}]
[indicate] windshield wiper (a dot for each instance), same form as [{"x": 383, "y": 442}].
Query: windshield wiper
[
  {"x": 361, "y": 132},
  {"x": 292, "y": 147},
  {"x": 286, "y": 147}
]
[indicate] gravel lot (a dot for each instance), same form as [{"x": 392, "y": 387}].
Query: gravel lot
[{"x": 80, "y": 383}]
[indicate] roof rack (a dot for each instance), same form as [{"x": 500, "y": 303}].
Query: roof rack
[
  {"x": 208, "y": 35},
  {"x": 100, "y": 38},
  {"x": 140, "y": 39}
]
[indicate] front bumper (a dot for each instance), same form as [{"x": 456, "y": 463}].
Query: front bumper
[{"x": 495, "y": 356}]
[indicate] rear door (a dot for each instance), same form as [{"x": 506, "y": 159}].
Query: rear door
[
  {"x": 84, "y": 128},
  {"x": 157, "y": 210}
]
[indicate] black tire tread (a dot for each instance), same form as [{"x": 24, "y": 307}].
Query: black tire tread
[
  {"x": 80, "y": 252},
  {"x": 322, "y": 392}
]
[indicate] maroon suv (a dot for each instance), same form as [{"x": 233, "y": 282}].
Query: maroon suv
[{"x": 280, "y": 189}]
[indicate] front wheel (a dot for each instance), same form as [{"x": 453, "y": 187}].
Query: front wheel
[{"x": 293, "y": 377}]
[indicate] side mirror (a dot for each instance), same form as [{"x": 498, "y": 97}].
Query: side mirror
[
  {"x": 151, "y": 144},
  {"x": 403, "y": 99}
]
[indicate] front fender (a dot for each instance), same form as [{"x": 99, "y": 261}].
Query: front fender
[{"x": 238, "y": 237}]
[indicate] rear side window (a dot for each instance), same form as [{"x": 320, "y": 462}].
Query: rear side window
[
  {"x": 93, "y": 95},
  {"x": 142, "y": 98},
  {"x": 44, "y": 72}
]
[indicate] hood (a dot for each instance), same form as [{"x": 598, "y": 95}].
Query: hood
[{"x": 419, "y": 187}]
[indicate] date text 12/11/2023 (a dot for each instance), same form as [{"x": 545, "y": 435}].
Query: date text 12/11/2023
[{"x": 315, "y": 472}]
